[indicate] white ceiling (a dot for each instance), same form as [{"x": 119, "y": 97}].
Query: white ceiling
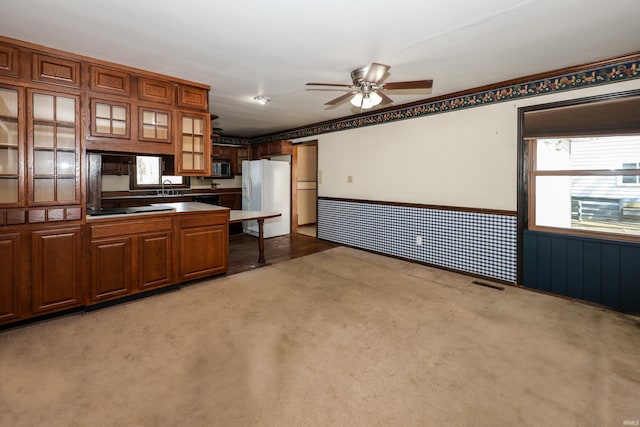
[{"x": 272, "y": 48}]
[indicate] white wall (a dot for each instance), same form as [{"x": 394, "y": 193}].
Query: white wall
[{"x": 461, "y": 158}]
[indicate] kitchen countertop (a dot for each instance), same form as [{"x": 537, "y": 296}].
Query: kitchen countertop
[
  {"x": 186, "y": 207},
  {"x": 240, "y": 216},
  {"x": 174, "y": 208}
]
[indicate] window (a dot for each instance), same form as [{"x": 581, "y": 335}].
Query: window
[
  {"x": 585, "y": 184},
  {"x": 149, "y": 174},
  {"x": 630, "y": 179}
]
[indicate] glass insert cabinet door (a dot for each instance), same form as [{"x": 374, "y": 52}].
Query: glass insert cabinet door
[
  {"x": 195, "y": 147},
  {"x": 155, "y": 125},
  {"x": 11, "y": 147},
  {"x": 54, "y": 148},
  {"x": 110, "y": 119}
]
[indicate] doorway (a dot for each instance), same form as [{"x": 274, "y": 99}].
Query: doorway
[{"x": 304, "y": 188}]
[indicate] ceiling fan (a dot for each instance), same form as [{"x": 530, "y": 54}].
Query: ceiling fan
[
  {"x": 215, "y": 130},
  {"x": 367, "y": 88}
]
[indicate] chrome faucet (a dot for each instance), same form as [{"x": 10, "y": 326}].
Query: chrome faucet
[{"x": 163, "y": 183}]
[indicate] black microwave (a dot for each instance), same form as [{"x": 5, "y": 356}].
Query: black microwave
[{"x": 221, "y": 169}]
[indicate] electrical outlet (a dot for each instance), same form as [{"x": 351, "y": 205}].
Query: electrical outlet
[
  {"x": 349, "y": 179},
  {"x": 419, "y": 240}
]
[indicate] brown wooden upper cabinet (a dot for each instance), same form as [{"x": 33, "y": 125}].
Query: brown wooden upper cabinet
[
  {"x": 193, "y": 97},
  {"x": 110, "y": 119},
  {"x": 115, "y": 165},
  {"x": 12, "y": 145},
  {"x": 240, "y": 154},
  {"x": 108, "y": 80},
  {"x": 221, "y": 152},
  {"x": 9, "y": 60},
  {"x": 153, "y": 90},
  {"x": 193, "y": 151},
  {"x": 53, "y": 148},
  {"x": 56, "y": 70},
  {"x": 266, "y": 150},
  {"x": 154, "y": 124}
]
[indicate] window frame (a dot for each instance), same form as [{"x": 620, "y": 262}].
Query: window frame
[
  {"x": 533, "y": 173},
  {"x": 621, "y": 183},
  {"x": 133, "y": 177},
  {"x": 522, "y": 169}
]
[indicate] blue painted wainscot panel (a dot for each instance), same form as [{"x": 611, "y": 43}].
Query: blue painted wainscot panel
[
  {"x": 603, "y": 271},
  {"x": 473, "y": 242}
]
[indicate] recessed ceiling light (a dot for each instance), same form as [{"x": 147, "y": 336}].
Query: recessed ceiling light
[{"x": 261, "y": 99}]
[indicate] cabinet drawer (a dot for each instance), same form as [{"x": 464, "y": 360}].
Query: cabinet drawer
[
  {"x": 110, "y": 81},
  {"x": 119, "y": 228},
  {"x": 202, "y": 220}
]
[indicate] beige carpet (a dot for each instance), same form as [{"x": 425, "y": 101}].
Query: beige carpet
[{"x": 341, "y": 337}]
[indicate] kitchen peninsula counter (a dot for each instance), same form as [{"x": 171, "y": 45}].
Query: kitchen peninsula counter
[
  {"x": 139, "y": 252},
  {"x": 171, "y": 208}
]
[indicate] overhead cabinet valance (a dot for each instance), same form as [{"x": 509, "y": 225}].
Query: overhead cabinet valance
[{"x": 620, "y": 116}]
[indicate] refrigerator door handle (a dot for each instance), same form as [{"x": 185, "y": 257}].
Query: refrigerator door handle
[{"x": 249, "y": 190}]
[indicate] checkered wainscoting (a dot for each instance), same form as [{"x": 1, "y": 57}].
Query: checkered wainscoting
[{"x": 478, "y": 243}]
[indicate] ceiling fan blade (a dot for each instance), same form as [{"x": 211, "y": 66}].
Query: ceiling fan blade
[
  {"x": 416, "y": 84},
  {"x": 329, "y": 84},
  {"x": 327, "y": 90},
  {"x": 339, "y": 99},
  {"x": 385, "y": 99},
  {"x": 376, "y": 72}
]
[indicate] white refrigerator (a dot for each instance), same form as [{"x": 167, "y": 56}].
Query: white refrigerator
[{"x": 266, "y": 186}]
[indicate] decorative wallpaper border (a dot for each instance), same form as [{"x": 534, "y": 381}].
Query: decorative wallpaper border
[
  {"x": 612, "y": 73},
  {"x": 229, "y": 140}
]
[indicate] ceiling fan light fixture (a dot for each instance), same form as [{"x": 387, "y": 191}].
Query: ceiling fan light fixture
[
  {"x": 261, "y": 99},
  {"x": 366, "y": 102},
  {"x": 356, "y": 101},
  {"x": 375, "y": 98}
]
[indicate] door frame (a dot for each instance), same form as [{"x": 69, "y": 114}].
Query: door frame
[{"x": 294, "y": 183}]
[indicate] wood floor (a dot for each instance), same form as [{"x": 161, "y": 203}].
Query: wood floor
[{"x": 243, "y": 250}]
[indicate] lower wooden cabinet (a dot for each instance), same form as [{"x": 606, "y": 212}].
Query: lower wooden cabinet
[
  {"x": 155, "y": 259},
  {"x": 43, "y": 271},
  {"x": 231, "y": 201},
  {"x": 111, "y": 267},
  {"x": 56, "y": 276},
  {"x": 130, "y": 256},
  {"x": 204, "y": 245},
  {"x": 9, "y": 276}
]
